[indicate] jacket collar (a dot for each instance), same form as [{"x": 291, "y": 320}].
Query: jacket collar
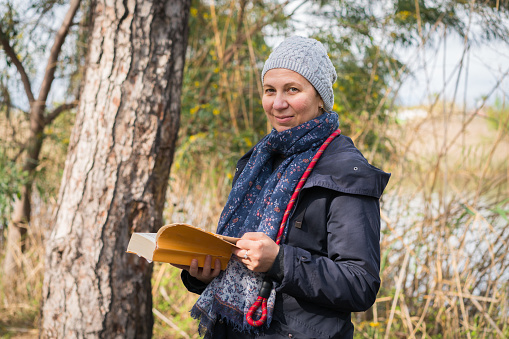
[{"x": 343, "y": 168}]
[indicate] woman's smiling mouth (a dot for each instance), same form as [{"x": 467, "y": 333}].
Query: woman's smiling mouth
[{"x": 283, "y": 119}]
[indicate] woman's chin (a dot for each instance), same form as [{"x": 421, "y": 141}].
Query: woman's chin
[
  {"x": 281, "y": 128},
  {"x": 283, "y": 124}
]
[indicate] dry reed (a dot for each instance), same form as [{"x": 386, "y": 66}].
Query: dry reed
[
  {"x": 444, "y": 243},
  {"x": 445, "y": 260},
  {"x": 19, "y": 302}
]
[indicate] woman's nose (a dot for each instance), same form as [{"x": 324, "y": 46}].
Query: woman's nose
[{"x": 280, "y": 102}]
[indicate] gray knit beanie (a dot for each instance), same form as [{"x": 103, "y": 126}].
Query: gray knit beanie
[{"x": 309, "y": 58}]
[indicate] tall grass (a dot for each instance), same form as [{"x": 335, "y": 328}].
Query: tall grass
[
  {"x": 444, "y": 243},
  {"x": 445, "y": 267},
  {"x": 20, "y": 302},
  {"x": 445, "y": 260}
]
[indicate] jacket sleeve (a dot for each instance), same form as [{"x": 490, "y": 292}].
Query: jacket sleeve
[
  {"x": 191, "y": 283},
  {"x": 347, "y": 279}
]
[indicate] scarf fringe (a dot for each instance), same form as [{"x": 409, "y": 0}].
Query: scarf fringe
[{"x": 233, "y": 318}]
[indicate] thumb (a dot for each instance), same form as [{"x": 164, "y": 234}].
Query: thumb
[{"x": 253, "y": 236}]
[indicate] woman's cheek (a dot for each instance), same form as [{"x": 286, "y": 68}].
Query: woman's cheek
[{"x": 267, "y": 104}]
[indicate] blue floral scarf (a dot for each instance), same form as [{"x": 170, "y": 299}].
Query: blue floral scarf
[{"x": 257, "y": 203}]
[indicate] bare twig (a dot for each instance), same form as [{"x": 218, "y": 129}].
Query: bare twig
[
  {"x": 55, "y": 51},
  {"x": 19, "y": 66},
  {"x": 48, "y": 119},
  {"x": 460, "y": 295},
  {"x": 399, "y": 286},
  {"x": 488, "y": 318},
  {"x": 170, "y": 323},
  {"x": 158, "y": 279}
]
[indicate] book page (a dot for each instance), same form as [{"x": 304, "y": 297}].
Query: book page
[
  {"x": 149, "y": 236},
  {"x": 183, "y": 237}
]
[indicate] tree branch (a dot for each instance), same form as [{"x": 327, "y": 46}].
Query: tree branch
[
  {"x": 19, "y": 66},
  {"x": 48, "y": 119},
  {"x": 49, "y": 75}
]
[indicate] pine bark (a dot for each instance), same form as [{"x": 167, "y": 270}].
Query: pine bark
[{"x": 116, "y": 171}]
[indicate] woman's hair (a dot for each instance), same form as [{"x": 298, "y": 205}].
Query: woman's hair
[{"x": 309, "y": 58}]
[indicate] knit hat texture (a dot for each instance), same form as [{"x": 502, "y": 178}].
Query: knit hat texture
[{"x": 309, "y": 58}]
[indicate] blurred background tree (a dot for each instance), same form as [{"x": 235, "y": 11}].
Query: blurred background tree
[{"x": 25, "y": 43}]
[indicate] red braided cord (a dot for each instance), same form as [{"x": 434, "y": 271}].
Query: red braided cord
[
  {"x": 252, "y": 310},
  {"x": 302, "y": 181}
]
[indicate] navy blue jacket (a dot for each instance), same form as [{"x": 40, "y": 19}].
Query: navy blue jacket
[{"x": 329, "y": 263}]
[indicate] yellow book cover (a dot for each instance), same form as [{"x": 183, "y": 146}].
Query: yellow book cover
[{"x": 180, "y": 243}]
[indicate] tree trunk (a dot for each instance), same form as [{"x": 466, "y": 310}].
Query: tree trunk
[
  {"x": 116, "y": 171},
  {"x": 16, "y": 232},
  {"x": 18, "y": 225}
]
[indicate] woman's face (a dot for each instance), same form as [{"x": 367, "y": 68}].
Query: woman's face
[{"x": 289, "y": 99}]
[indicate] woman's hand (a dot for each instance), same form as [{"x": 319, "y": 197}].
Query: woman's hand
[
  {"x": 260, "y": 249},
  {"x": 205, "y": 274}
]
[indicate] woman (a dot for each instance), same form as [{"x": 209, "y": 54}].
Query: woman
[{"x": 327, "y": 262}]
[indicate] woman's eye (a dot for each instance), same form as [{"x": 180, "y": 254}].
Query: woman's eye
[
  {"x": 293, "y": 89},
  {"x": 269, "y": 90}
]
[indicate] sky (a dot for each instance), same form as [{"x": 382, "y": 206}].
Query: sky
[{"x": 483, "y": 67}]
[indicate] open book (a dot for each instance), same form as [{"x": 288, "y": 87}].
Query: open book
[{"x": 180, "y": 243}]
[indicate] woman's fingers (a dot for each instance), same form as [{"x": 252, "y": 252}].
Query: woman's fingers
[
  {"x": 193, "y": 268},
  {"x": 257, "y": 251},
  {"x": 207, "y": 273},
  {"x": 240, "y": 252},
  {"x": 207, "y": 266},
  {"x": 253, "y": 236},
  {"x": 217, "y": 268}
]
